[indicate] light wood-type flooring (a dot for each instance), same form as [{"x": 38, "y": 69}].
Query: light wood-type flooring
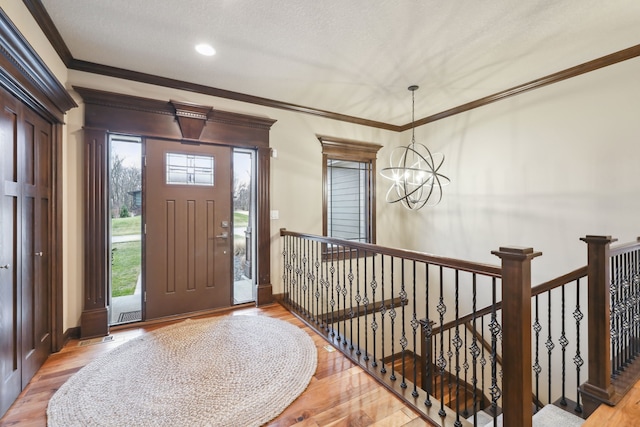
[{"x": 339, "y": 394}]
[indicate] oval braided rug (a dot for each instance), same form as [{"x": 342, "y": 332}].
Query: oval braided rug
[{"x": 223, "y": 371}]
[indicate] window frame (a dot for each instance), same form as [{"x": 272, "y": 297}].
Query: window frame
[{"x": 354, "y": 151}]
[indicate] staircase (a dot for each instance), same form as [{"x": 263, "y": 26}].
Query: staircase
[
  {"x": 547, "y": 416},
  {"x": 441, "y": 383}
]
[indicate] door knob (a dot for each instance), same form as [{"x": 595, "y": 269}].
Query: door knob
[
  {"x": 39, "y": 253},
  {"x": 6, "y": 266},
  {"x": 224, "y": 235}
]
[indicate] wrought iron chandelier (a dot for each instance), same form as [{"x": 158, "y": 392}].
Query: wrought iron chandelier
[{"x": 413, "y": 171}]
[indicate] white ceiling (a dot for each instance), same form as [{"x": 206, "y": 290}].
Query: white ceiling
[{"x": 353, "y": 57}]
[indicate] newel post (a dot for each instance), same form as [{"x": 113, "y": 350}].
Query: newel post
[
  {"x": 426, "y": 358},
  {"x": 598, "y": 388},
  {"x": 517, "y": 392}
]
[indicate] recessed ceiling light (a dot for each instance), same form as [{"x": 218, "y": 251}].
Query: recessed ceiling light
[{"x": 205, "y": 49}]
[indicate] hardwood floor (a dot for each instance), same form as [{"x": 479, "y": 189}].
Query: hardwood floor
[
  {"x": 626, "y": 413},
  {"x": 339, "y": 394}
]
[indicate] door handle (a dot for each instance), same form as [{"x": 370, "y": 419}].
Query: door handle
[
  {"x": 39, "y": 253},
  {"x": 224, "y": 235},
  {"x": 6, "y": 266}
]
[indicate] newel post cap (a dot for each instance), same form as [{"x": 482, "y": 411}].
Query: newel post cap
[
  {"x": 602, "y": 240},
  {"x": 516, "y": 253}
]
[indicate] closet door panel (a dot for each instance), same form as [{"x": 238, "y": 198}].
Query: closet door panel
[
  {"x": 36, "y": 328},
  {"x": 10, "y": 292}
]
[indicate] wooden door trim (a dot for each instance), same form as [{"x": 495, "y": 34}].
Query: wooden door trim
[
  {"x": 26, "y": 76},
  {"x": 108, "y": 112}
]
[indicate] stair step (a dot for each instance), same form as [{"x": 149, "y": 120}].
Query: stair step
[{"x": 548, "y": 416}]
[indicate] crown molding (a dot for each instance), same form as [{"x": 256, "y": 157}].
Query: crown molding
[{"x": 41, "y": 16}]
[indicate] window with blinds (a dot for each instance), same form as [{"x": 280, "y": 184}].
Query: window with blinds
[
  {"x": 349, "y": 180},
  {"x": 348, "y": 189}
]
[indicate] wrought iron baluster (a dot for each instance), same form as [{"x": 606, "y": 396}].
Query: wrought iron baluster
[
  {"x": 325, "y": 316},
  {"x": 428, "y": 366},
  {"x": 550, "y": 346},
  {"x": 457, "y": 343},
  {"x": 358, "y": 300},
  {"x": 332, "y": 302},
  {"x": 285, "y": 280},
  {"x": 344, "y": 294},
  {"x": 577, "y": 359},
  {"x": 311, "y": 278},
  {"x": 536, "y": 364},
  {"x": 292, "y": 257},
  {"x": 339, "y": 250},
  {"x": 494, "y": 327},
  {"x": 318, "y": 293},
  {"x": 475, "y": 350},
  {"x": 449, "y": 374},
  {"x": 351, "y": 277},
  {"x": 365, "y": 304},
  {"x": 636, "y": 302},
  {"x": 296, "y": 274},
  {"x": 305, "y": 245},
  {"x": 564, "y": 342},
  {"x": 627, "y": 309},
  {"x": 382, "y": 310},
  {"x": 403, "y": 338},
  {"x": 483, "y": 359},
  {"x": 442, "y": 362},
  {"x": 414, "y": 325},
  {"x": 465, "y": 365},
  {"x": 374, "y": 323},
  {"x": 392, "y": 316},
  {"x": 626, "y": 324},
  {"x": 615, "y": 318}
]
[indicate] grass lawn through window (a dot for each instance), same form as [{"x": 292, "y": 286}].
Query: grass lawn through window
[
  {"x": 125, "y": 268},
  {"x": 126, "y": 226},
  {"x": 126, "y": 258}
]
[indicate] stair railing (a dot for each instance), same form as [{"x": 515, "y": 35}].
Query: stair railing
[
  {"x": 554, "y": 320},
  {"x": 614, "y": 321},
  {"x": 370, "y": 302},
  {"x": 377, "y": 305}
]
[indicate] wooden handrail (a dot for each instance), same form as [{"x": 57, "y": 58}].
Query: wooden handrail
[
  {"x": 468, "y": 266},
  {"x": 624, "y": 248},
  {"x": 343, "y": 314}
]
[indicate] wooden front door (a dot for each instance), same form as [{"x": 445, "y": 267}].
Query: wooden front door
[
  {"x": 25, "y": 285},
  {"x": 189, "y": 233}
]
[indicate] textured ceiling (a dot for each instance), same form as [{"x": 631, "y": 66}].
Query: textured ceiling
[{"x": 353, "y": 57}]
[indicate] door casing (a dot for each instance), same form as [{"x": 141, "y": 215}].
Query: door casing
[{"x": 116, "y": 113}]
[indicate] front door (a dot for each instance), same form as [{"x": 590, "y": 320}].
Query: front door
[{"x": 189, "y": 233}]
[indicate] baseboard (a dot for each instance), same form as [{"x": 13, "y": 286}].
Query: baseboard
[{"x": 71, "y": 334}]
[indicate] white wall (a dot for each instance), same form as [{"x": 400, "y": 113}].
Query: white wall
[{"x": 541, "y": 169}]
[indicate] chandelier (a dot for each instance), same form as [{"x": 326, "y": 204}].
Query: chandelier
[{"x": 413, "y": 171}]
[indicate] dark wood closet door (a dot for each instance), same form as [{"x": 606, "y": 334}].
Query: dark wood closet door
[
  {"x": 10, "y": 292},
  {"x": 25, "y": 283},
  {"x": 189, "y": 233},
  {"x": 36, "y": 186}
]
